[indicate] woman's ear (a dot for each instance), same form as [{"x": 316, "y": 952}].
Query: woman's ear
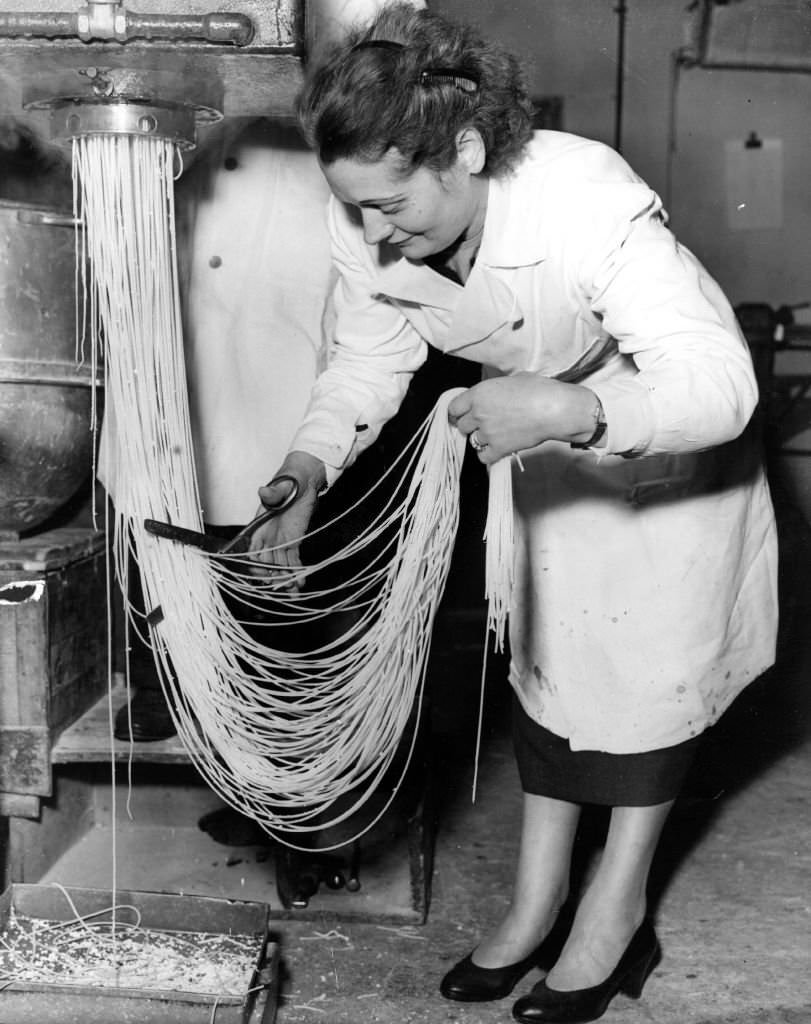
[{"x": 470, "y": 150}]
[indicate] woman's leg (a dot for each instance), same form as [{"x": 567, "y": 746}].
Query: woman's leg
[
  {"x": 614, "y": 902},
  {"x": 541, "y": 883}
]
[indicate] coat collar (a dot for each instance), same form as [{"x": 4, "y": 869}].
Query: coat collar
[
  {"x": 512, "y": 237},
  {"x": 508, "y": 241},
  {"x": 472, "y": 313}
]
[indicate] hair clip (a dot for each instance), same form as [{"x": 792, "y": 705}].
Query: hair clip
[
  {"x": 378, "y": 44},
  {"x": 465, "y": 80}
]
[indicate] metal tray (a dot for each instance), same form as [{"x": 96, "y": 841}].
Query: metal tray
[{"x": 47, "y": 1003}]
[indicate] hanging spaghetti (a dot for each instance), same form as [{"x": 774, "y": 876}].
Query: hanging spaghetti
[{"x": 296, "y": 738}]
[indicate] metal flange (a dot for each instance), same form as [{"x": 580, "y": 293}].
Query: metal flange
[
  {"x": 70, "y": 120},
  {"x": 126, "y": 101}
]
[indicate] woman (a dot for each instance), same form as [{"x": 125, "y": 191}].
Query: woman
[{"x": 645, "y": 596}]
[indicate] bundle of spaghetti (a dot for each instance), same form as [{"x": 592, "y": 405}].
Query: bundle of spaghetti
[
  {"x": 323, "y": 726},
  {"x": 299, "y": 739},
  {"x": 499, "y": 546}
]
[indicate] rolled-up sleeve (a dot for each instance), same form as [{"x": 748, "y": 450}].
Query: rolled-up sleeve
[
  {"x": 373, "y": 356},
  {"x": 695, "y": 386}
]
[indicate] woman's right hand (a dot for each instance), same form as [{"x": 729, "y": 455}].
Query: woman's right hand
[{"x": 276, "y": 543}]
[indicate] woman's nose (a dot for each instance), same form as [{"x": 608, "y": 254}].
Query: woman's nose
[{"x": 376, "y": 227}]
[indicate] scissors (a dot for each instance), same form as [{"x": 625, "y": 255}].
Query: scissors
[{"x": 216, "y": 545}]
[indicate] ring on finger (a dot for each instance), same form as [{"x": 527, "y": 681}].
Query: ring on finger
[{"x": 476, "y": 442}]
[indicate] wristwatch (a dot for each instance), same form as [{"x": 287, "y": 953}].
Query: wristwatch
[{"x": 600, "y": 427}]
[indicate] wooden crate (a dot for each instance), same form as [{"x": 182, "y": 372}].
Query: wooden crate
[{"x": 53, "y": 652}]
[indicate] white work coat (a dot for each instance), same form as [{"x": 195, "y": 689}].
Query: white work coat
[
  {"x": 256, "y": 288},
  {"x": 256, "y": 274},
  {"x": 645, "y": 595}
]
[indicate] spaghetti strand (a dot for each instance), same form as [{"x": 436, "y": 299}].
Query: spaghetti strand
[{"x": 297, "y": 740}]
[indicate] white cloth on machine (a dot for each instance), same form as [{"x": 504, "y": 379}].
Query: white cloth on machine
[{"x": 254, "y": 308}]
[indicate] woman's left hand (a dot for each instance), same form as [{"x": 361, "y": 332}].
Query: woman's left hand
[{"x": 511, "y": 414}]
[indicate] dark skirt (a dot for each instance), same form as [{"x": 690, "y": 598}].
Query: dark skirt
[{"x": 548, "y": 766}]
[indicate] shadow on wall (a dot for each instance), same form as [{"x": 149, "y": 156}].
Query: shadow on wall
[{"x": 32, "y": 170}]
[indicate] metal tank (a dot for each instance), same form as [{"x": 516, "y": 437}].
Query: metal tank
[{"x": 46, "y": 438}]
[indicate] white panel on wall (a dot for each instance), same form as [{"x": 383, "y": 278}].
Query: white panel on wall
[
  {"x": 773, "y": 34},
  {"x": 754, "y": 183}
]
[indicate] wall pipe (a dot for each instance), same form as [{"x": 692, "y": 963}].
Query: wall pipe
[{"x": 622, "y": 11}]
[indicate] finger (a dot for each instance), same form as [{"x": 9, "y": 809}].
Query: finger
[
  {"x": 466, "y": 423},
  {"x": 267, "y": 546},
  {"x": 273, "y": 552},
  {"x": 259, "y": 540},
  {"x": 274, "y": 493},
  {"x": 279, "y": 550},
  {"x": 487, "y": 457},
  {"x": 459, "y": 406},
  {"x": 288, "y": 574},
  {"x": 282, "y": 564}
]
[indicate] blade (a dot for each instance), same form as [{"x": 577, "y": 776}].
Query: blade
[{"x": 183, "y": 536}]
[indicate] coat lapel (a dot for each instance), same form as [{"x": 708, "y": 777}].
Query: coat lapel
[{"x": 474, "y": 312}]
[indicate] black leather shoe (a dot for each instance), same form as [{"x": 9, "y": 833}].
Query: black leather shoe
[
  {"x": 469, "y": 983},
  {"x": 544, "y": 1005},
  {"x": 148, "y": 715}
]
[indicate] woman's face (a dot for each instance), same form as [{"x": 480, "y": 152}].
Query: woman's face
[{"x": 422, "y": 214}]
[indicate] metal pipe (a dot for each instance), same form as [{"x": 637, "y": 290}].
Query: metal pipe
[
  {"x": 218, "y": 27},
  {"x": 46, "y": 26},
  {"x": 621, "y": 11},
  {"x": 113, "y": 22}
]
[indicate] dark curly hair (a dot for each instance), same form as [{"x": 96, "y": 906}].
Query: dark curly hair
[{"x": 412, "y": 80}]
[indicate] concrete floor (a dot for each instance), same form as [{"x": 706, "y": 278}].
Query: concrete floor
[{"x": 731, "y": 887}]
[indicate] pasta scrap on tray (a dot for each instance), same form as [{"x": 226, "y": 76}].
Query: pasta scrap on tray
[{"x": 79, "y": 952}]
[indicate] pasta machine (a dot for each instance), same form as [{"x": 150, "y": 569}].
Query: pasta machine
[{"x": 166, "y": 69}]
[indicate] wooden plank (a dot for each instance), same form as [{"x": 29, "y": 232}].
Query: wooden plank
[
  {"x": 23, "y": 654},
  {"x": 77, "y": 601},
  {"x": 69, "y": 703},
  {"x": 19, "y": 805},
  {"x": 89, "y": 739},
  {"x": 24, "y": 763},
  {"x": 47, "y": 551}
]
